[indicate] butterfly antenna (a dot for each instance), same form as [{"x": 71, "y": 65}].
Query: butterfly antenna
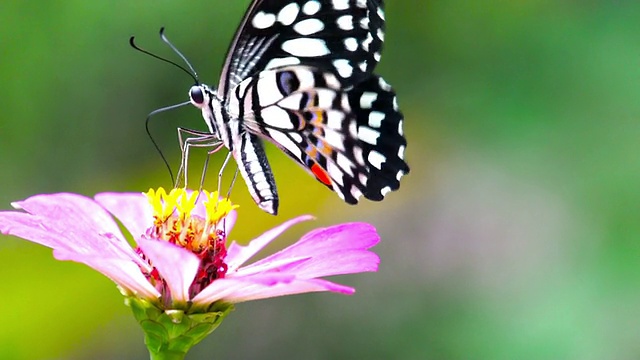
[
  {"x": 175, "y": 49},
  {"x": 192, "y": 74},
  {"x": 155, "y": 144}
]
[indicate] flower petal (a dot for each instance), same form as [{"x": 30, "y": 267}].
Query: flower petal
[
  {"x": 132, "y": 209},
  {"x": 335, "y": 250},
  {"x": 82, "y": 211},
  {"x": 228, "y": 222},
  {"x": 30, "y": 227},
  {"x": 67, "y": 221},
  {"x": 279, "y": 266},
  {"x": 176, "y": 265},
  {"x": 238, "y": 254},
  {"x": 124, "y": 273},
  {"x": 327, "y": 264},
  {"x": 263, "y": 286}
]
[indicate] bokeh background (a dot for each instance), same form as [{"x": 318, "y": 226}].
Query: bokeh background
[{"x": 516, "y": 235}]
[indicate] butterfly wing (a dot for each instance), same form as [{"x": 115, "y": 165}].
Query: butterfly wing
[
  {"x": 350, "y": 140},
  {"x": 342, "y": 36},
  {"x": 331, "y": 48}
]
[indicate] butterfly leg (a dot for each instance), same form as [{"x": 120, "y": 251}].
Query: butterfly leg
[
  {"x": 189, "y": 138},
  {"x": 233, "y": 182},
  {"x": 224, "y": 165}
]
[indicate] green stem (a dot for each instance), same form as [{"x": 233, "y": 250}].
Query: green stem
[
  {"x": 167, "y": 355},
  {"x": 169, "y": 334}
]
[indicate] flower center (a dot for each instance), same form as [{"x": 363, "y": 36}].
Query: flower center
[{"x": 175, "y": 222}]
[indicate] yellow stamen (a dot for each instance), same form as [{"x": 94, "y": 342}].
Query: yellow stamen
[
  {"x": 187, "y": 204},
  {"x": 217, "y": 208},
  {"x": 164, "y": 205}
]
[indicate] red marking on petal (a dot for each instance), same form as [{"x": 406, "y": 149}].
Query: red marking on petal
[{"x": 321, "y": 174}]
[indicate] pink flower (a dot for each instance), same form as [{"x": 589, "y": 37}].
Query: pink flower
[{"x": 181, "y": 260}]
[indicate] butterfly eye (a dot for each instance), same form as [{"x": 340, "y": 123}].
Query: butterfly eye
[{"x": 196, "y": 95}]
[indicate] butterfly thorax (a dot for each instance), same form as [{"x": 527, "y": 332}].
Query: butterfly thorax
[{"x": 214, "y": 112}]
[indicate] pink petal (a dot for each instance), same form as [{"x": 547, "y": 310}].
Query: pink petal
[
  {"x": 298, "y": 286},
  {"x": 82, "y": 214},
  {"x": 132, "y": 209},
  {"x": 30, "y": 227},
  {"x": 124, "y": 273},
  {"x": 176, "y": 265},
  {"x": 228, "y": 222},
  {"x": 238, "y": 254},
  {"x": 262, "y": 286},
  {"x": 279, "y": 266},
  {"x": 327, "y": 264},
  {"x": 334, "y": 250},
  {"x": 67, "y": 221}
]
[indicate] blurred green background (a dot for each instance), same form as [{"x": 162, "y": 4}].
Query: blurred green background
[{"x": 515, "y": 235}]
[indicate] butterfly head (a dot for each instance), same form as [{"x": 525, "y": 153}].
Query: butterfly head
[
  {"x": 205, "y": 98},
  {"x": 201, "y": 95}
]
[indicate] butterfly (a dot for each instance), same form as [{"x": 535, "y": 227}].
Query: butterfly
[{"x": 299, "y": 73}]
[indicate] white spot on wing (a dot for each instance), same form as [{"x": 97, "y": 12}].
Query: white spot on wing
[
  {"x": 357, "y": 154},
  {"x": 335, "y": 119},
  {"x": 263, "y": 20},
  {"x": 276, "y": 117},
  {"x": 375, "y": 119},
  {"x": 291, "y": 102},
  {"x": 345, "y": 164},
  {"x": 267, "y": 88},
  {"x": 340, "y": 4},
  {"x": 367, "y": 42},
  {"x": 368, "y": 135},
  {"x": 351, "y": 44},
  {"x": 334, "y": 139},
  {"x": 343, "y": 67},
  {"x": 332, "y": 81},
  {"x": 288, "y": 14},
  {"x": 376, "y": 159},
  {"x": 311, "y": 7},
  {"x": 345, "y": 22},
  {"x": 355, "y": 192},
  {"x": 384, "y": 85},
  {"x": 335, "y": 174},
  {"x": 385, "y": 190},
  {"x": 277, "y": 62},
  {"x": 305, "y": 76},
  {"x": 367, "y": 99},
  {"x": 308, "y": 26},
  {"x": 364, "y": 23},
  {"x": 363, "y": 179},
  {"x": 282, "y": 140},
  {"x": 325, "y": 98},
  {"x": 296, "y": 137},
  {"x": 305, "y": 47}
]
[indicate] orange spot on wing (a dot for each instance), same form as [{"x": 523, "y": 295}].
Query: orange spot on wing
[{"x": 321, "y": 174}]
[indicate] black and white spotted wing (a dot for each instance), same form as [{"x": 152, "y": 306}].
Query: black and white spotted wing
[
  {"x": 299, "y": 73},
  {"x": 344, "y": 36}
]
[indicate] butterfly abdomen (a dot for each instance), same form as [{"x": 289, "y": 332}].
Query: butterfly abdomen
[{"x": 253, "y": 165}]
